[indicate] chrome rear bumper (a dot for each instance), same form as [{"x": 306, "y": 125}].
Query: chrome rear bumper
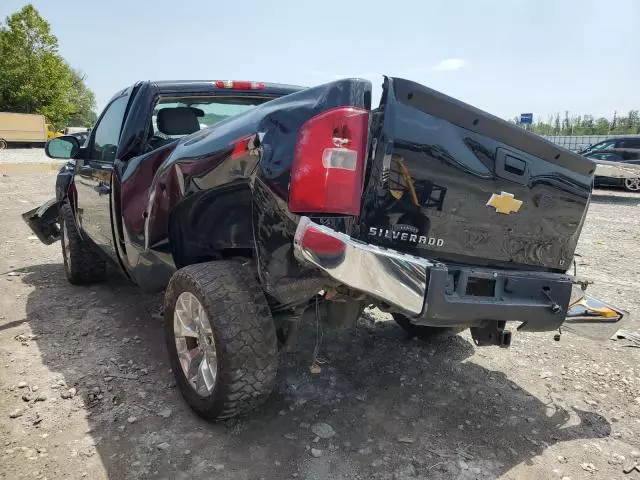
[
  {"x": 393, "y": 277},
  {"x": 592, "y": 318},
  {"x": 436, "y": 294}
]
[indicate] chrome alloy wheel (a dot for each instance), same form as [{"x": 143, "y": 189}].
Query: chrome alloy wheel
[
  {"x": 195, "y": 344},
  {"x": 632, "y": 184}
]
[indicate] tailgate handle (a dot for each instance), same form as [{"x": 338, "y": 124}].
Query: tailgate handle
[{"x": 511, "y": 167}]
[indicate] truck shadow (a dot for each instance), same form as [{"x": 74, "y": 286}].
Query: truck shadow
[{"x": 390, "y": 400}]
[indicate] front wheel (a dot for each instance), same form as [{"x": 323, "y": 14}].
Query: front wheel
[
  {"x": 221, "y": 338},
  {"x": 632, "y": 184},
  {"x": 81, "y": 263},
  {"x": 423, "y": 332}
]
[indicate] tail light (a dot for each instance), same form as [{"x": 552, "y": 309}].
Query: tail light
[
  {"x": 241, "y": 147},
  {"x": 329, "y": 161}
]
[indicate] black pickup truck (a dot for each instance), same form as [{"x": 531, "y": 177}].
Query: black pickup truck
[{"x": 249, "y": 201}]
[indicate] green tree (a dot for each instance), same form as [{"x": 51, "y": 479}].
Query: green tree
[
  {"x": 566, "y": 124},
  {"x": 587, "y": 125},
  {"x": 34, "y": 78},
  {"x": 83, "y": 102},
  {"x": 602, "y": 126},
  {"x": 633, "y": 122}
]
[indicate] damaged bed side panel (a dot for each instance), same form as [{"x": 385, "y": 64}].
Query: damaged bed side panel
[{"x": 274, "y": 225}]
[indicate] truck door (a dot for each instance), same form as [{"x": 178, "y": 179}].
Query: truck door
[{"x": 94, "y": 172}]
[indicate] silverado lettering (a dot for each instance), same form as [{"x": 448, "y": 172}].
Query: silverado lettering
[{"x": 406, "y": 237}]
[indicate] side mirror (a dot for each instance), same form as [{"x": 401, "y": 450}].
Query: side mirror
[{"x": 64, "y": 147}]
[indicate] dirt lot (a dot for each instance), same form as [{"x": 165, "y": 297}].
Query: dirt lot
[{"x": 84, "y": 372}]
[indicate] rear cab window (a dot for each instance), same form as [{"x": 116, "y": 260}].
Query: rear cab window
[{"x": 177, "y": 116}]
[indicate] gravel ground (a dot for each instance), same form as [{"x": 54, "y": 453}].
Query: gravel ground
[
  {"x": 86, "y": 390},
  {"x": 23, "y": 155}
]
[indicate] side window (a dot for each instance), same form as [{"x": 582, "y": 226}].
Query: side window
[{"x": 107, "y": 132}]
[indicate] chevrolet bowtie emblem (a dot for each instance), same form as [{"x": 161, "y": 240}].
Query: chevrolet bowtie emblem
[{"x": 504, "y": 203}]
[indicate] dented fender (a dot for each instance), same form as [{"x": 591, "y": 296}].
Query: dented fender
[{"x": 224, "y": 188}]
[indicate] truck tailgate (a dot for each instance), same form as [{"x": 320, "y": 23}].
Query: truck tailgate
[{"x": 449, "y": 182}]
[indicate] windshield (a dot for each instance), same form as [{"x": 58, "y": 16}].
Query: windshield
[
  {"x": 205, "y": 112},
  {"x": 607, "y": 144}
]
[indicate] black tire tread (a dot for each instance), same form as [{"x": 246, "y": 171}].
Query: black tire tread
[
  {"x": 244, "y": 333},
  {"x": 86, "y": 265}
]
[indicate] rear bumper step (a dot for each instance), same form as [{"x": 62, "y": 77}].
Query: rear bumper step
[{"x": 436, "y": 294}]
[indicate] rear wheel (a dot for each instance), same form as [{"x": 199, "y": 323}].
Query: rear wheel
[
  {"x": 3, "y": 144},
  {"x": 221, "y": 338},
  {"x": 423, "y": 332},
  {"x": 81, "y": 263},
  {"x": 632, "y": 184}
]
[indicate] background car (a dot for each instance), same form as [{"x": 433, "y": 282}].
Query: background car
[
  {"x": 613, "y": 143},
  {"x": 627, "y": 156}
]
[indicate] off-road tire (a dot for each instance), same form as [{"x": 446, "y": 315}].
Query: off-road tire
[
  {"x": 423, "y": 332},
  {"x": 82, "y": 264},
  {"x": 244, "y": 335}
]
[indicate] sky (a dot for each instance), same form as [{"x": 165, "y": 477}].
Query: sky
[{"x": 503, "y": 56}]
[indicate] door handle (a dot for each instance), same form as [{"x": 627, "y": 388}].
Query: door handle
[
  {"x": 515, "y": 165},
  {"x": 511, "y": 167}
]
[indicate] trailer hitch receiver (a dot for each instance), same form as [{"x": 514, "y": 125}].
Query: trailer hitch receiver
[{"x": 491, "y": 333}]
